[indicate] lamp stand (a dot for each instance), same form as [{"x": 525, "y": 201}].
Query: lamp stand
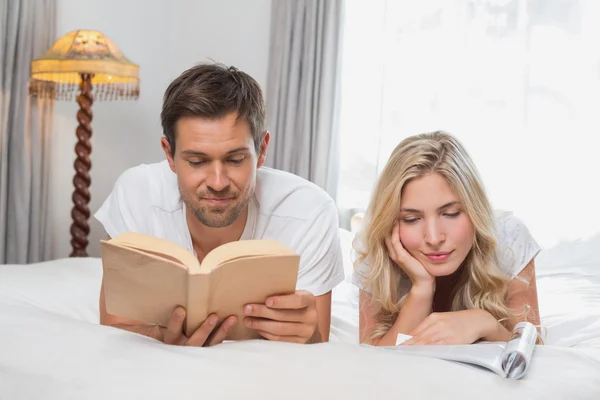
[
  {"x": 81, "y": 195},
  {"x": 77, "y": 58}
]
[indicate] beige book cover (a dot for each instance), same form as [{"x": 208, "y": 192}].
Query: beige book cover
[{"x": 146, "y": 277}]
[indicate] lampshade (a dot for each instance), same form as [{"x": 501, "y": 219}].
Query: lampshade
[{"x": 58, "y": 73}]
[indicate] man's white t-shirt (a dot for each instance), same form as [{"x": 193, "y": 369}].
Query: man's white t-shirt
[
  {"x": 515, "y": 249},
  {"x": 285, "y": 207}
]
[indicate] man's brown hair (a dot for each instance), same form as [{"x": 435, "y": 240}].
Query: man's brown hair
[{"x": 212, "y": 91}]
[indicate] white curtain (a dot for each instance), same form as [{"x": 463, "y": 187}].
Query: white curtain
[
  {"x": 516, "y": 80},
  {"x": 26, "y": 32},
  {"x": 303, "y": 89}
]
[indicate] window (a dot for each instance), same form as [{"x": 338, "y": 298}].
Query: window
[{"x": 517, "y": 81}]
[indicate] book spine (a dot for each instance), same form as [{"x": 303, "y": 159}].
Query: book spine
[{"x": 197, "y": 302}]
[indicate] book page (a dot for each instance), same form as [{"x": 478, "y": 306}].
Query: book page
[
  {"x": 158, "y": 247},
  {"x": 141, "y": 286},
  {"x": 242, "y": 249},
  {"x": 401, "y": 338},
  {"x": 249, "y": 280}
]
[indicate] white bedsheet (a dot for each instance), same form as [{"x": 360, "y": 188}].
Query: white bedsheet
[
  {"x": 57, "y": 357},
  {"x": 51, "y": 347}
]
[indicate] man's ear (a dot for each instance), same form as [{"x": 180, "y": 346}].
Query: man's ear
[
  {"x": 167, "y": 149},
  {"x": 263, "y": 149}
]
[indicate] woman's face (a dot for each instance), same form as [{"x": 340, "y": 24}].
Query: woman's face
[{"x": 434, "y": 227}]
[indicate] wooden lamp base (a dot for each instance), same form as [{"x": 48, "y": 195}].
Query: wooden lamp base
[{"x": 80, "y": 213}]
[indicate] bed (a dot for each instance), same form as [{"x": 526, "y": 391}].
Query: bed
[{"x": 52, "y": 347}]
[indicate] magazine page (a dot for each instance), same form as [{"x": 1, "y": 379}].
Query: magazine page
[
  {"x": 508, "y": 359},
  {"x": 518, "y": 353},
  {"x": 487, "y": 355}
]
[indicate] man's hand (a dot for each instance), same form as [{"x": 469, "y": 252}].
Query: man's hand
[
  {"x": 203, "y": 336},
  {"x": 173, "y": 334},
  {"x": 290, "y": 318}
]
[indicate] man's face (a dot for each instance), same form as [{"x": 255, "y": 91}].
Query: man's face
[{"x": 215, "y": 162}]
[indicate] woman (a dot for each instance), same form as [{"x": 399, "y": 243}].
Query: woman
[{"x": 434, "y": 261}]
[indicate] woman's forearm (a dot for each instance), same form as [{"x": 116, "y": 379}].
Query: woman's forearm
[
  {"x": 492, "y": 330},
  {"x": 416, "y": 307}
]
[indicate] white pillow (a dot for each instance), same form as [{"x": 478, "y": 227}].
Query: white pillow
[
  {"x": 568, "y": 279},
  {"x": 69, "y": 286},
  {"x": 346, "y": 238}
]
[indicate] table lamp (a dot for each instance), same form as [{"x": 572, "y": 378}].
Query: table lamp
[{"x": 83, "y": 60}]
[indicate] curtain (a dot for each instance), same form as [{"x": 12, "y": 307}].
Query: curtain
[
  {"x": 26, "y": 31},
  {"x": 303, "y": 89}
]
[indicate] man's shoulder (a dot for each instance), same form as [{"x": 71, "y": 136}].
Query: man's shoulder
[
  {"x": 155, "y": 183},
  {"x": 138, "y": 201},
  {"x": 283, "y": 194},
  {"x": 146, "y": 172}
]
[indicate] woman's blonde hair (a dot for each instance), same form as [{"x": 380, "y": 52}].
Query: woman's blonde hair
[{"x": 482, "y": 284}]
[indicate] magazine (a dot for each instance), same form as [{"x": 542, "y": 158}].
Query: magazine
[{"x": 510, "y": 360}]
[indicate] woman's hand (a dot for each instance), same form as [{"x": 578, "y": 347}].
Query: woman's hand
[
  {"x": 458, "y": 327},
  {"x": 413, "y": 268}
]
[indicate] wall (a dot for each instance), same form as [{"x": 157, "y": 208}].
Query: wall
[{"x": 164, "y": 39}]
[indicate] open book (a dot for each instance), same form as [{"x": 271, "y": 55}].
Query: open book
[
  {"x": 146, "y": 277},
  {"x": 509, "y": 360}
]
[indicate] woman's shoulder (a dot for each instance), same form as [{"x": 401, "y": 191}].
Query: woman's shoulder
[
  {"x": 508, "y": 226},
  {"x": 516, "y": 247}
]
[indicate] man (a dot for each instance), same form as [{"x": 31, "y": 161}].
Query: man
[{"x": 213, "y": 189}]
